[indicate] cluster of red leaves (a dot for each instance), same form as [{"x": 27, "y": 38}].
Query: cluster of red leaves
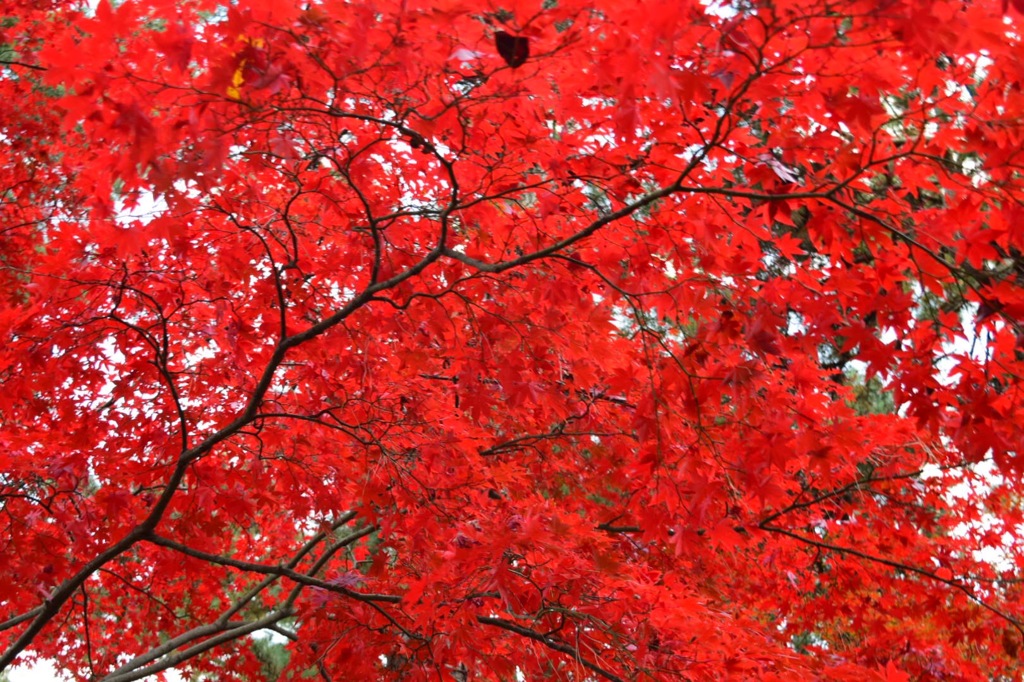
[{"x": 506, "y": 341}]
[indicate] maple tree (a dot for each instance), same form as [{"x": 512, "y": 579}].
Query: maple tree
[{"x": 523, "y": 340}]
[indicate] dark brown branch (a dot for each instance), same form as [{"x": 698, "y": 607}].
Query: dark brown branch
[
  {"x": 21, "y": 618},
  {"x": 24, "y": 65},
  {"x": 608, "y": 528},
  {"x": 222, "y": 634},
  {"x": 923, "y": 572},
  {"x": 280, "y": 570},
  {"x": 550, "y": 643}
]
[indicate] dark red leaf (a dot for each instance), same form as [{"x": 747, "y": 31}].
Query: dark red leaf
[{"x": 513, "y": 49}]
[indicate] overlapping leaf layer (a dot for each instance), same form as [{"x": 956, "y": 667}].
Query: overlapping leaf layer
[{"x": 523, "y": 340}]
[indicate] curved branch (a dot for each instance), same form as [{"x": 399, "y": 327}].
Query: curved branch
[
  {"x": 130, "y": 671},
  {"x": 280, "y": 570},
  {"x": 550, "y": 643},
  {"x": 951, "y": 582}
]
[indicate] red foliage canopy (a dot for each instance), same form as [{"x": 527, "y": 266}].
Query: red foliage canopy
[{"x": 522, "y": 340}]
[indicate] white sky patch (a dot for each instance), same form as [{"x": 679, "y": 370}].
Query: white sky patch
[{"x": 145, "y": 208}]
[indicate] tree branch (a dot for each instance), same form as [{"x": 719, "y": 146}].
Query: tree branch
[{"x": 550, "y": 643}]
